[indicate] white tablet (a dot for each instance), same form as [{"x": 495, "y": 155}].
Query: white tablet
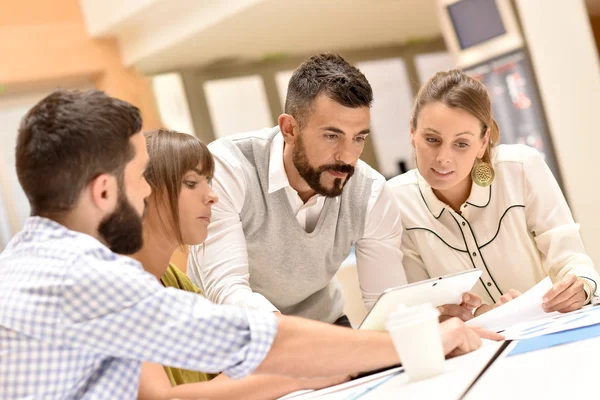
[{"x": 437, "y": 291}]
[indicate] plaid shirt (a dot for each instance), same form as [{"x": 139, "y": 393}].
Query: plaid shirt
[{"x": 77, "y": 320}]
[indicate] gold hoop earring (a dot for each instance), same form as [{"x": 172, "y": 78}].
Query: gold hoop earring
[{"x": 482, "y": 173}]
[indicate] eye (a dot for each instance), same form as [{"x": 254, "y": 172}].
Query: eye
[
  {"x": 361, "y": 139},
  {"x": 190, "y": 184},
  {"x": 330, "y": 136},
  {"x": 431, "y": 140},
  {"x": 462, "y": 145}
]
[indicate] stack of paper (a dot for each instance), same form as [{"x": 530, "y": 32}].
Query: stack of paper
[
  {"x": 527, "y": 307},
  {"x": 556, "y": 323},
  {"x": 460, "y": 373},
  {"x": 556, "y": 339},
  {"x": 352, "y": 388}
]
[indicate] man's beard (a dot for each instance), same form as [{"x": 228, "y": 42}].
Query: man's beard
[
  {"x": 312, "y": 176},
  {"x": 122, "y": 229}
]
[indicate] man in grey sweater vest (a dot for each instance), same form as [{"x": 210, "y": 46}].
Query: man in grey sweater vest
[{"x": 295, "y": 199}]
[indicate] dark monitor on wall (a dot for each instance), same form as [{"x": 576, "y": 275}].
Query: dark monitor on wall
[
  {"x": 516, "y": 104},
  {"x": 476, "y": 21},
  {"x": 478, "y": 30}
]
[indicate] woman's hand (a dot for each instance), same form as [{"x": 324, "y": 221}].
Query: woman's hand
[
  {"x": 506, "y": 297},
  {"x": 566, "y": 295},
  {"x": 463, "y": 311}
]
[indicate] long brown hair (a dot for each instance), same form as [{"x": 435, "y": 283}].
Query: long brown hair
[
  {"x": 458, "y": 90},
  {"x": 172, "y": 154}
]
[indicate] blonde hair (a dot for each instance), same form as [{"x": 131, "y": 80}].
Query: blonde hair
[
  {"x": 172, "y": 154},
  {"x": 458, "y": 90}
]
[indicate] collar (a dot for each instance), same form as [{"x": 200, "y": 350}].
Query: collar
[
  {"x": 480, "y": 197},
  {"x": 435, "y": 206},
  {"x": 277, "y": 177},
  {"x": 36, "y": 223},
  {"x": 40, "y": 230}
]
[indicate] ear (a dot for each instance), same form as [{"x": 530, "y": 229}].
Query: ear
[
  {"x": 104, "y": 192},
  {"x": 289, "y": 128},
  {"x": 485, "y": 144},
  {"x": 412, "y": 132}
]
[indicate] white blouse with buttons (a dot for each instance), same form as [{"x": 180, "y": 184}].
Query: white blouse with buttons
[{"x": 517, "y": 231}]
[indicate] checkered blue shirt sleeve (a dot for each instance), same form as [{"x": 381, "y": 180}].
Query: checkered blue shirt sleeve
[
  {"x": 77, "y": 320},
  {"x": 126, "y": 313}
]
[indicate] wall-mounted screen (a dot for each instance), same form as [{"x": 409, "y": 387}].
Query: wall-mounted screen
[
  {"x": 478, "y": 30},
  {"x": 476, "y": 21},
  {"x": 515, "y": 103}
]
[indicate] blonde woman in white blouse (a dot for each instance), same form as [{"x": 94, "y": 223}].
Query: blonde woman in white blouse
[{"x": 472, "y": 204}]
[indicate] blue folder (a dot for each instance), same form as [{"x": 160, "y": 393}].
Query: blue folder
[{"x": 555, "y": 339}]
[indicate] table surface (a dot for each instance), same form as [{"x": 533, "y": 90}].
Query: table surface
[
  {"x": 561, "y": 372},
  {"x": 557, "y": 372}
]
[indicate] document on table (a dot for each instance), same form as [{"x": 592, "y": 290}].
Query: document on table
[
  {"x": 345, "y": 389},
  {"x": 556, "y": 323},
  {"x": 527, "y": 307},
  {"x": 556, "y": 339},
  {"x": 460, "y": 373}
]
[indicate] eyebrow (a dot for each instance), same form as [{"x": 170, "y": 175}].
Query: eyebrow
[
  {"x": 458, "y": 134},
  {"x": 341, "y": 132}
]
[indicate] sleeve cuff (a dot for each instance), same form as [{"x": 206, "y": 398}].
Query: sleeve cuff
[
  {"x": 590, "y": 288},
  {"x": 250, "y": 300},
  {"x": 263, "y": 329}
]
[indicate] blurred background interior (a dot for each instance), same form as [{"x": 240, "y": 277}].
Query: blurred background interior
[{"x": 212, "y": 68}]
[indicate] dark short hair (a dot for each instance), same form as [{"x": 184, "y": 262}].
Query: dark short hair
[
  {"x": 68, "y": 139},
  {"x": 327, "y": 74}
]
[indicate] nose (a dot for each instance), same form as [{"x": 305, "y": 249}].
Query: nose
[
  {"x": 347, "y": 154},
  {"x": 444, "y": 155},
  {"x": 211, "y": 198}
]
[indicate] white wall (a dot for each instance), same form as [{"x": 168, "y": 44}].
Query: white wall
[
  {"x": 390, "y": 113},
  {"x": 428, "y": 64},
  {"x": 15, "y": 206},
  {"x": 171, "y": 102},
  {"x": 282, "y": 79},
  {"x": 238, "y": 105},
  {"x": 567, "y": 69},
  {"x": 5, "y": 229}
]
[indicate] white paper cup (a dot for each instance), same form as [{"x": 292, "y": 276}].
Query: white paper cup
[{"x": 418, "y": 341}]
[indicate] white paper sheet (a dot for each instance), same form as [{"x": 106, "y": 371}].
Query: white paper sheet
[
  {"x": 460, "y": 372},
  {"x": 557, "y": 323},
  {"x": 344, "y": 389},
  {"x": 527, "y": 307}
]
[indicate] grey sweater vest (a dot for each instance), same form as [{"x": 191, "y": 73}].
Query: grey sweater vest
[{"x": 293, "y": 269}]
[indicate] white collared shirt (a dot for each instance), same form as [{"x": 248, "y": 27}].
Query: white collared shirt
[
  {"x": 517, "y": 231},
  {"x": 221, "y": 268}
]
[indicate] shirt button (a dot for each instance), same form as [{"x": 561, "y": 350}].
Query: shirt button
[
  {"x": 489, "y": 283},
  {"x": 463, "y": 223},
  {"x": 474, "y": 254}
]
